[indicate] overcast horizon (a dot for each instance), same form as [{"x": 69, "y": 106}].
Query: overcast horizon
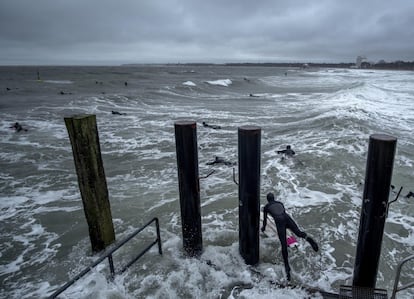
[{"x": 51, "y": 32}]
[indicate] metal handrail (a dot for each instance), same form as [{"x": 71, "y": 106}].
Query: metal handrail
[
  {"x": 397, "y": 278},
  {"x": 108, "y": 254}
]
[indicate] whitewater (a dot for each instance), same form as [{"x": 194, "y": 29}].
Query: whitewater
[{"x": 326, "y": 115}]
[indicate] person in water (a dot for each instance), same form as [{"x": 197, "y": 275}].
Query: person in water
[
  {"x": 218, "y": 160},
  {"x": 283, "y": 221},
  {"x": 18, "y": 127},
  {"x": 210, "y": 126},
  {"x": 408, "y": 195},
  {"x": 288, "y": 151},
  {"x": 117, "y": 113}
]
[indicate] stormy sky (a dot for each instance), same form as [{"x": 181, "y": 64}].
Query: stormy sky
[{"x": 171, "y": 31}]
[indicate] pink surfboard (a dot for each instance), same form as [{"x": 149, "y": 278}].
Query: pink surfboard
[{"x": 290, "y": 238}]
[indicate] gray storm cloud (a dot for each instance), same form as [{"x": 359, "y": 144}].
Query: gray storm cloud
[{"x": 129, "y": 31}]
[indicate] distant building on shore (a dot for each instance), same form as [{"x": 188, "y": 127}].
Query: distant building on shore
[{"x": 358, "y": 63}]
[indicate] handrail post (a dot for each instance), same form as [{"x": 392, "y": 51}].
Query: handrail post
[
  {"x": 397, "y": 278},
  {"x": 157, "y": 224},
  {"x": 111, "y": 266},
  {"x": 108, "y": 254}
]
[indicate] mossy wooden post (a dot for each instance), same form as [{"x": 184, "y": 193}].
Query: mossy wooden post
[{"x": 83, "y": 134}]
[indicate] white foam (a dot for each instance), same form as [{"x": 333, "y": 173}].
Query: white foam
[
  {"x": 189, "y": 83},
  {"x": 327, "y": 119},
  {"x": 59, "y": 81},
  {"x": 223, "y": 82},
  {"x": 12, "y": 205},
  {"x": 406, "y": 222}
]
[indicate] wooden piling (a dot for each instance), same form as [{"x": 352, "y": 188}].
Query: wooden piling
[
  {"x": 83, "y": 134},
  {"x": 189, "y": 187},
  {"x": 249, "y": 145},
  {"x": 378, "y": 177}
]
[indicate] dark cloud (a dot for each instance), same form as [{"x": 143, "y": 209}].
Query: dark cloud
[{"x": 104, "y": 31}]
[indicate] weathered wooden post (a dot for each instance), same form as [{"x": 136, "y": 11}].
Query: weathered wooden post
[
  {"x": 249, "y": 192},
  {"x": 380, "y": 161},
  {"x": 189, "y": 186},
  {"x": 83, "y": 134}
]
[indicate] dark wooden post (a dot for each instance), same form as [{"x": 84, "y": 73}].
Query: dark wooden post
[
  {"x": 249, "y": 193},
  {"x": 189, "y": 187},
  {"x": 83, "y": 134},
  {"x": 378, "y": 176}
]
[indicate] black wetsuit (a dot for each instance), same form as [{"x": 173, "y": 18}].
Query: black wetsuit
[
  {"x": 211, "y": 126},
  {"x": 219, "y": 160},
  {"x": 287, "y": 152},
  {"x": 18, "y": 127},
  {"x": 117, "y": 113},
  {"x": 282, "y": 221}
]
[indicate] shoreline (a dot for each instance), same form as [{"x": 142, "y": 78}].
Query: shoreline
[{"x": 392, "y": 66}]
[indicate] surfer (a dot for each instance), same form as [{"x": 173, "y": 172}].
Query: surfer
[
  {"x": 18, "y": 127},
  {"x": 117, "y": 113},
  {"x": 211, "y": 126},
  {"x": 284, "y": 221},
  {"x": 218, "y": 160},
  {"x": 410, "y": 194},
  {"x": 288, "y": 151}
]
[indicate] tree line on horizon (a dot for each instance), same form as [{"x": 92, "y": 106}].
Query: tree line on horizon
[{"x": 382, "y": 64}]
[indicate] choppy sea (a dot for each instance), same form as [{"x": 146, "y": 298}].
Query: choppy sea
[{"x": 326, "y": 115}]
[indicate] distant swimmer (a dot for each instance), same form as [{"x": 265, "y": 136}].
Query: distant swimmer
[
  {"x": 117, "y": 113},
  {"x": 218, "y": 160},
  {"x": 126, "y": 83},
  {"x": 62, "y": 92},
  {"x": 18, "y": 127},
  {"x": 254, "y": 96},
  {"x": 211, "y": 126},
  {"x": 288, "y": 151},
  {"x": 408, "y": 195}
]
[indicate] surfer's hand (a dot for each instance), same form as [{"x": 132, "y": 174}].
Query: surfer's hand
[{"x": 263, "y": 229}]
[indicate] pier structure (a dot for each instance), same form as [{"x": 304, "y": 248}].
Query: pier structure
[
  {"x": 380, "y": 162},
  {"x": 92, "y": 183},
  {"x": 249, "y": 146},
  {"x": 189, "y": 186}
]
